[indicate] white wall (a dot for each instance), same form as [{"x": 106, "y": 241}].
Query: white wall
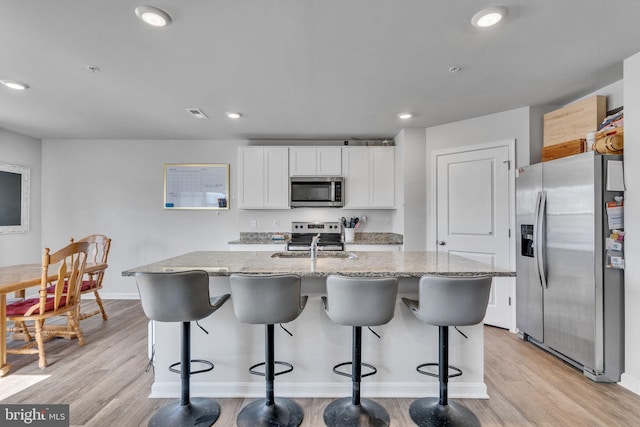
[
  {"x": 115, "y": 187},
  {"x": 410, "y": 217},
  {"x": 631, "y": 377},
  {"x": 23, "y": 248}
]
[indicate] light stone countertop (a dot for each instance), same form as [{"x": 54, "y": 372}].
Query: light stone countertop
[
  {"x": 364, "y": 238},
  {"x": 367, "y": 264}
]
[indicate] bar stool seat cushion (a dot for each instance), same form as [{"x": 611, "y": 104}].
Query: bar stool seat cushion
[
  {"x": 357, "y": 301},
  {"x": 177, "y": 297},
  {"x": 450, "y": 301},
  {"x": 20, "y": 308},
  {"x": 267, "y": 299}
]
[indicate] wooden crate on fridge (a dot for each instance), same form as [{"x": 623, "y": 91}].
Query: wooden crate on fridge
[
  {"x": 564, "y": 149},
  {"x": 574, "y": 121}
]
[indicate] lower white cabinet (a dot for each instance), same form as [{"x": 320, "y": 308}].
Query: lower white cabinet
[
  {"x": 370, "y": 177},
  {"x": 263, "y": 177}
]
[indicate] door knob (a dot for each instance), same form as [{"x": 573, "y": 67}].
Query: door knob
[{"x": 441, "y": 242}]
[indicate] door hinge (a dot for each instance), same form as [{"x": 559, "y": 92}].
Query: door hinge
[
  {"x": 509, "y": 301},
  {"x": 509, "y": 233},
  {"x": 508, "y": 162}
]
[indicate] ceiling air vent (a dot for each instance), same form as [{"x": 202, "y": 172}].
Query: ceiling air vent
[{"x": 197, "y": 113}]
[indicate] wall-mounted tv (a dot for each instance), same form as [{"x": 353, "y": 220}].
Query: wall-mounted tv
[{"x": 14, "y": 198}]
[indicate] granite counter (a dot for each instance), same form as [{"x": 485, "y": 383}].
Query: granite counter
[{"x": 367, "y": 264}]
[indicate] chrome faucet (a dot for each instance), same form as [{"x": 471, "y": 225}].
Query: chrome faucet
[{"x": 314, "y": 246}]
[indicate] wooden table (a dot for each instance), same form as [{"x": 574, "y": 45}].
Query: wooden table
[{"x": 18, "y": 278}]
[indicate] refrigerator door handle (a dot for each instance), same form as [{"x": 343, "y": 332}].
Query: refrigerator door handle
[
  {"x": 536, "y": 215},
  {"x": 540, "y": 244}
]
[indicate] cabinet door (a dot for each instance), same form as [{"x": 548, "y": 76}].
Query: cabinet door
[
  {"x": 250, "y": 177},
  {"x": 356, "y": 169},
  {"x": 276, "y": 181},
  {"x": 383, "y": 177},
  {"x": 302, "y": 161},
  {"x": 329, "y": 161}
]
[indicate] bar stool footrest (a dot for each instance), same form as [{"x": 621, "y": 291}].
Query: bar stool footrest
[
  {"x": 457, "y": 371},
  {"x": 205, "y": 362},
  {"x": 344, "y": 374},
  {"x": 286, "y": 371}
]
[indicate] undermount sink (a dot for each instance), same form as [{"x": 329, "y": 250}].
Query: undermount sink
[{"x": 321, "y": 254}]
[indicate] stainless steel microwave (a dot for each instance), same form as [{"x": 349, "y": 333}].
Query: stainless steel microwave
[{"x": 316, "y": 191}]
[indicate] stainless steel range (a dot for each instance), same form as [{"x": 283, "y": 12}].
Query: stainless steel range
[{"x": 302, "y": 234}]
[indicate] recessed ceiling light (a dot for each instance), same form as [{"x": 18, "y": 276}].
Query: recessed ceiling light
[
  {"x": 153, "y": 16},
  {"x": 14, "y": 85},
  {"x": 405, "y": 116},
  {"x": 489, "y": 17},
  {"x": 233, "y": 115}
]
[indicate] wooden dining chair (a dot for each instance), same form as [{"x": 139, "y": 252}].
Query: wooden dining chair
[
  {"x": 99, "y": 246},
  {"x": 63, "y": 270}
]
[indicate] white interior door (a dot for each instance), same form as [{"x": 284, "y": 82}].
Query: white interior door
[{"x": 473, "y": 215}]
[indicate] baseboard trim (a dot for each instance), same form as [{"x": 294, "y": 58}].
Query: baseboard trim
[
  {"x": 630, "y": 383},
  {"x": 113, "y": 295},
  {"x": 171, "y": 389}
]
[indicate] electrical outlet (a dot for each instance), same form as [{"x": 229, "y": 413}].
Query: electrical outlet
[
  {"x": 276, "y": 224},
  {"x": 254, "y": 223}
]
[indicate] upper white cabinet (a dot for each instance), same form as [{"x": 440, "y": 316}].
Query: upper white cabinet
[
  {"x": 263, "y": 177},
  {"x": 370, "y": 177},
  {"x": 315, "y": 161}
]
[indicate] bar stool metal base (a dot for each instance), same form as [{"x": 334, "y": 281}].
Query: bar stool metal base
[
  {"x": 428, "y": 412},
  {"x": 343, "y": 413},
  {"x": 199, "y": 412},
  {"x": 284, "y": 413}
]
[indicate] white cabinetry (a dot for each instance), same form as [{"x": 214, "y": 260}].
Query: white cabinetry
[
  {"x": 263, "y": 177},
  {"x": 315, "y": 161},
  {"x": 370, "y": 177}
]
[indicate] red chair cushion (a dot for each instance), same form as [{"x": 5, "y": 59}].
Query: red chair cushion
[
  {"x": 19, "y": 308},
  {"x": 86, "y": 285}
]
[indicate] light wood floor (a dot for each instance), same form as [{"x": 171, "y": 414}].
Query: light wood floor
[{"x": 105, "y": 382}]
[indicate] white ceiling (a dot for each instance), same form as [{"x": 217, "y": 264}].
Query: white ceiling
[{"x": 297, "y": 69}]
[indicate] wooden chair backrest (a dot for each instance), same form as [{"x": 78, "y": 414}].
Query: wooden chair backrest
[
  {"x": 99, "y": 246},
  {"x": 70, "y": 262}
]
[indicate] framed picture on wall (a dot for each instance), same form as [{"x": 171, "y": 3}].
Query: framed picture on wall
[
  {"x": 14, "y": 198},
  {"x": 196, "y": 186}
]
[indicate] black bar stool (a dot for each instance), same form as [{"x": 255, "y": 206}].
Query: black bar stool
[
  {"x": 181, "y": 297},
  {"x": 358, "y": 302},
  {"x": 447, "y": 301},
  {"x": 267, "y": 300}
]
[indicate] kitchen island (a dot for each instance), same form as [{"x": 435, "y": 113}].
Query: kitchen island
[{"x": 317, "y": 343}]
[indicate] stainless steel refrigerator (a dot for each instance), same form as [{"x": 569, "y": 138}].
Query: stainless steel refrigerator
[{"x": 567, "y": 301}]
